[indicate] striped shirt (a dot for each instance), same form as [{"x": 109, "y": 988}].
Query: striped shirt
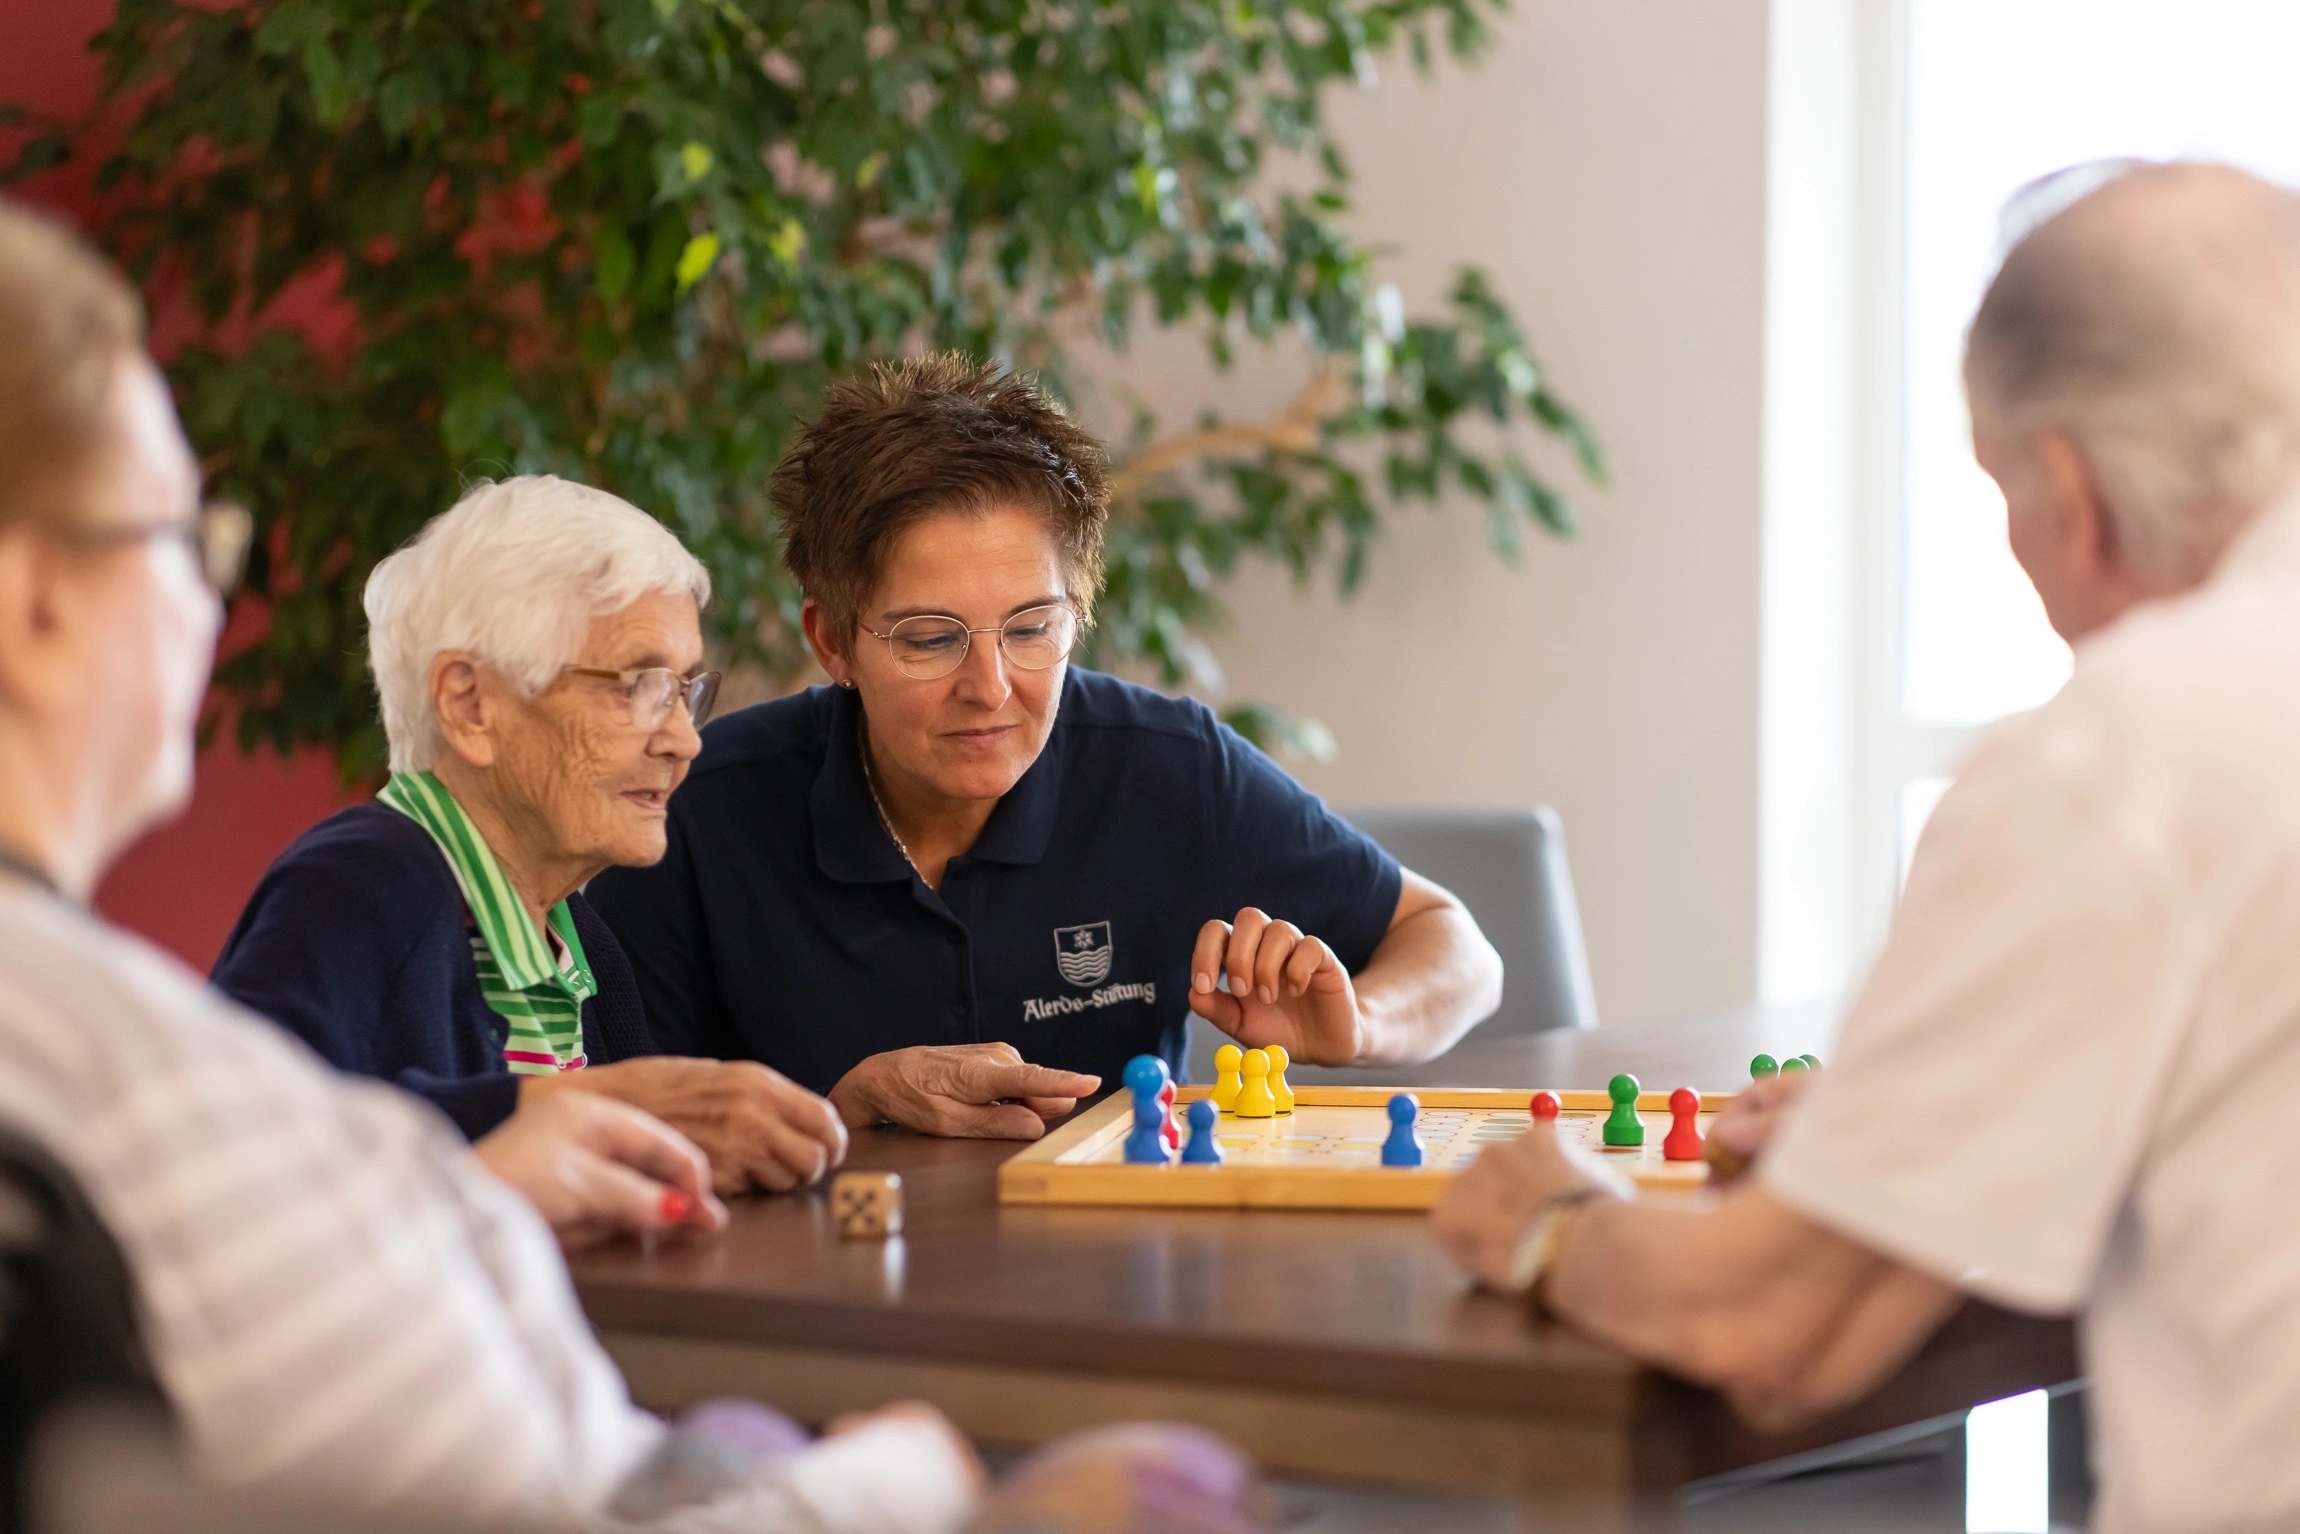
[
  {"x": 537, "y": 986},
  {"x": 335, "y": 1293}
]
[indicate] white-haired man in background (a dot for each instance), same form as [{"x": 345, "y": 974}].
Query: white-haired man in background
[
  {"x": 538, "y": 650},
  {"x": 2067, "y": 1085}
]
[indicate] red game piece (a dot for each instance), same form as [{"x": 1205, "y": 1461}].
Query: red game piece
[
  {"x": 1545, "y": 1108},
  {"x": 1684, "y": 1141},
  {"x": 1171, "y": 1132}
]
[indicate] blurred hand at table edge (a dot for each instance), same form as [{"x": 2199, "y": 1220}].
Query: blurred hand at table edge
[
  {"x": 1430, "y": 980},
  {"x": 1486, "y": 1212},
  {"x": 1132, "y": 1478},
  {"x": 960, "y": 1091},
  {"x": 1748, "y": 1122},
  {"x": 759, "y": 1128},
  {"x": 595, "y": 1168}
]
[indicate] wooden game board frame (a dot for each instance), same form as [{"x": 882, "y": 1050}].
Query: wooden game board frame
[{"x": 1039, "y": 1175}]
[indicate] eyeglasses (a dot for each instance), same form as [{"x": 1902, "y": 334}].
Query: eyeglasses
[
  {"x": 933, "y": 645},
  {"x": 218, "y": 537},
  {"x": 654, "y": 689}
]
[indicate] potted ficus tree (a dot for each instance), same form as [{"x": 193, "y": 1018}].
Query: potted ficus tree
[{"x": 629, "y": 241}]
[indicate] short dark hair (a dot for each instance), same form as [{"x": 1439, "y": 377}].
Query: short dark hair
[{"x": 935, "y": 434}]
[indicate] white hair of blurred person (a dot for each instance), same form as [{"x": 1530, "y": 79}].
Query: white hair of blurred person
[
  {"x": 513, "y": 574},
  {"x": 2154, "y": 319}
]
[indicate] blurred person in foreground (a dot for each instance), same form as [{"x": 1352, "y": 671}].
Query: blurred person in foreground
[
  {"x": 960, "y": 887},
  {"x": 2066, "y": 1086},
  {"x": 336, "y": 1293},
  {"x": 538, "y": 651}
]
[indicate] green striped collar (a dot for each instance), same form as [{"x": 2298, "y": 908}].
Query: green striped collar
[{"x": 520, "y": 951}]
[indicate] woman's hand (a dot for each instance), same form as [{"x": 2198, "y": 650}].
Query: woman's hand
[
  {"x": 760, "y": 1128},
  {"x": 1286, "y": 988},
  {"x": 964, "y": 1091},
  {"x": 596, "y": 1168}
]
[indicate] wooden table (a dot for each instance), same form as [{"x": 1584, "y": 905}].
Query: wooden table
[{"x": 1329, "y": 1345}]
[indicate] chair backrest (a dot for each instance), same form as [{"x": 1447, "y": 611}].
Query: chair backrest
[
  {"x": 67, "y": 1311},
  {"x": 1508, "y": 866}
]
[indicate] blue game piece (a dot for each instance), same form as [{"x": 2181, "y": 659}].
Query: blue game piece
[
  {"x": 1200, "y": 1149},
  {"x": 1146, "y": 1077},
  {"x": 1402, "y": 1148},
  {"x": 1146, "y": 1146}
]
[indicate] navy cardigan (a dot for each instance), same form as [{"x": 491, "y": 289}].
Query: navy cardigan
[{"x": 357, "y": 942}]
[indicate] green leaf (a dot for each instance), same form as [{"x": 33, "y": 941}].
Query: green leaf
[
  {"x": 611, "y": 262},
  {"x": 330, "y": 92},
  {"x": 788, "y": 243},
  {"x": 696, "y": 259},
  {"x": 695, "y": 160}
]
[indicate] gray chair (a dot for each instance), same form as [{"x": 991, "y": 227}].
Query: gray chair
[{"x": 1508, "y": 866}]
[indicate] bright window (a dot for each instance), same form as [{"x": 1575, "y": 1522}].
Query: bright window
[{"x": 2000, "y": 92}]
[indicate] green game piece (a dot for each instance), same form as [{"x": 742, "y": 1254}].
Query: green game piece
[
  {"x": 1812, "y": 1062},
  {"x": 1622, "y": 1125},
  {"x": 1762, "y": 1067},
  {"x": 1793, "y": 1063}
]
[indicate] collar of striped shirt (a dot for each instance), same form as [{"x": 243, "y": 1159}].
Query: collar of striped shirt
[{"x": 524, "y": 982}]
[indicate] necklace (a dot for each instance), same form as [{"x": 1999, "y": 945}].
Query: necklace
[{"x": 870, "y": 781}]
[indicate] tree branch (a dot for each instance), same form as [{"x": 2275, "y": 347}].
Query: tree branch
[{"x": 1296, "y": 431}]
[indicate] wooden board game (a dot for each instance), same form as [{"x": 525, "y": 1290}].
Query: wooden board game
[{"x": 1326, "y": 1154}]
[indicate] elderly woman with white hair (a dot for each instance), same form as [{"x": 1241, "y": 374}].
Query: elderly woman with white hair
[{"x": 538, "y": 653}]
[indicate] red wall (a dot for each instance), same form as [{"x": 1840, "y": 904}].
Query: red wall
[{"x": 184, "y": 884}]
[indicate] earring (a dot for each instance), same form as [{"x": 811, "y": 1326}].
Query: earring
[{"x": 847, "y": 683}]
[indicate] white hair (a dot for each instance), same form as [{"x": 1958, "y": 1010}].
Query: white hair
[
  {"x": 2155, "y": 318},
  {"x": 514, "y": 574}
]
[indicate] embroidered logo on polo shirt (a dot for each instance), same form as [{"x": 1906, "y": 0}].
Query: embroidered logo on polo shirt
[{"x": 1082, "y": 954}]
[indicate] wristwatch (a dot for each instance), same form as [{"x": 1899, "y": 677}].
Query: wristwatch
[{"x": 1535, "y": 1253}]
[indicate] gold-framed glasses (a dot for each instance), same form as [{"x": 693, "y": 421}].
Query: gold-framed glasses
[
  {"x": 931, "y": 645},
  {"x": 652, "y": 690},
  {"x": 217, "y": 536}
]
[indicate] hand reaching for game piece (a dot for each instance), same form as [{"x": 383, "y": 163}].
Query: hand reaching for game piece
[
  {"x": 1286, "y": 988},
  {"x": 964, "y": 1091},
  {"x": 1747, "y": 1123},
  {"x": 596, "y": 1168},
  {"x": 760, "y": 1128}
]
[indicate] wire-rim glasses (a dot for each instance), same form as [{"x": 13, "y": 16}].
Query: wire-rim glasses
[
  {"x": 932, "y": 645},
  {"x": 653, "y": 690},
  {"x": 217, "y": 536}
]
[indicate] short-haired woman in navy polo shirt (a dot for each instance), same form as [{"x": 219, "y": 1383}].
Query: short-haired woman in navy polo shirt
[{"x": 962, "y": 886}]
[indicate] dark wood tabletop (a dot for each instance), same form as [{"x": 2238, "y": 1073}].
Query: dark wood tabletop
[{"x": 1352, "y": 1319}]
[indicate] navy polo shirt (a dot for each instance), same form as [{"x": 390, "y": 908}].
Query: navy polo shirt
[{"x": 784, "y": 926}]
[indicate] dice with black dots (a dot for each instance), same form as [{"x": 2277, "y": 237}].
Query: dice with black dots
[{"x": 867, "y": 1205}]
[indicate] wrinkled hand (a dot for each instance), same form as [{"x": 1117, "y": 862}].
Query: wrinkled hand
[
  {"x": 596, "y": 1168},
  {"x": 1484, "y": 1214},
  {"x": 1286, "y": 988},
  {"x": 760, "y": 1128},
  {"x": 1747, "y": 1124},
  {"x": 964, "y": 1091}
]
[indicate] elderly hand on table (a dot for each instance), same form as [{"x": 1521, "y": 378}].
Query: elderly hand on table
[
  {"x": 965, "y": 1091},
  {"x": 595, "y": 1168},
  {"x": 759, "y": 1128}
]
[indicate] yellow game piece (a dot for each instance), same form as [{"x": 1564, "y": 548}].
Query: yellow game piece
[
  {"x": 1254, "y": 1098},
  {"x": 1279, "y": 1060},
  {"x": 1227, "y": 1081}
]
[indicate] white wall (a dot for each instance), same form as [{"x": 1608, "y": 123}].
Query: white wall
[{"x": 1606, "y": 164}]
